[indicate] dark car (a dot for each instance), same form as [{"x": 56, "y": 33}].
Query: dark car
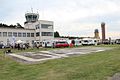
[
  {"x": 117, "y": 41},
  {"x": 1, "y": 46}
]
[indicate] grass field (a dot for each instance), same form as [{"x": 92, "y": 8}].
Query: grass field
[{"x": 97, "y": 66}]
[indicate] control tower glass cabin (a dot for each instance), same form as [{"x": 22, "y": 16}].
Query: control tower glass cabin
[{"x": 31, "y": 17}]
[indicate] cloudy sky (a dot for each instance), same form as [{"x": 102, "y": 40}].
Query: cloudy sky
[{"x": 71, "y": 17}]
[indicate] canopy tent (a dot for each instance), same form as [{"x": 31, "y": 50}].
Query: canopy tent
[{"x": 19, "y": 41}]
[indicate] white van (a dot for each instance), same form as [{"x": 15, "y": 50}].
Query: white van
[
  {"x": 37, "y": 43},
  {"x": 78, "y": 42},
  {"x": 48, "y": 43},
  {"x": 89, "y": 41}
]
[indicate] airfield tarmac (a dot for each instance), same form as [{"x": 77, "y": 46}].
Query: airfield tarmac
[{"x": 41, "y": 56}]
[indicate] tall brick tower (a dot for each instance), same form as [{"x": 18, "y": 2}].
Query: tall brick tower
[{"x": 103, "y": 31}]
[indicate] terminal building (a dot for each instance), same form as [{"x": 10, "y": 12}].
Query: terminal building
[{"x": 33, "y": 30}]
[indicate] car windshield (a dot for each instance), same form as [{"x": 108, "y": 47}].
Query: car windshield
[
  {"x": 85, "y": 40},
  {"x": 61, "y": 42}
]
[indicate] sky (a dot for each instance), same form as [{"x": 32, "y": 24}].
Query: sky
[{"x": 71, "y": 17}]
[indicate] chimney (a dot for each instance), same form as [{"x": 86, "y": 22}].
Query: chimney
[{"x": 103, "y": 31}]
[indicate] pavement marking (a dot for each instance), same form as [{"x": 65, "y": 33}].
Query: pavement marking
[
  {"x": 54, "y": 54},
  {"x": 100, "y": 50},
  {"x": 31, "y": 59}
]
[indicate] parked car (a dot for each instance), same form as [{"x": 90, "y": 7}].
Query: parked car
[
  {"x": 7, "y": 46},
  {"x": 37, "y": 44},
  {"x": 47, "y": 43},
  {"x": 78, "y": 42},
  {"x": 117, "y": 41},
  {"x": 55, "y": 43},
  {"x": 61, "y": 44},
  {"x": 106, "y": 41},
  {"x": 1, "y": 46}
]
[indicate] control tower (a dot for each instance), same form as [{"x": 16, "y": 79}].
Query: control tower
[
  {"x": 96, "y": 34},
  {"x": 31, "y": 17},
  {"x": 43, "y": 29}
]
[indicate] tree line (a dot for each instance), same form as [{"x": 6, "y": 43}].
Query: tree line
[{"x": 18, "y": 25}]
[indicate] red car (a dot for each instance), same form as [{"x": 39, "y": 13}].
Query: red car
[{"x": 61, "y": 44}]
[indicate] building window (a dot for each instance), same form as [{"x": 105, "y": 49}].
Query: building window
[
  {"x": 37, "y": 34},
  {"x": 9, "y": 34},
  {"x": 24, "y": 34},
  {"x": 28, "y": 34},
  {"x": 32, "y": 41},
  {"x": 4, "y": 34},
  {"x": 34, "y": 17},
  {"x": 0, "y": 34},
  {"x": 32, "y": 34},
  {"x": 37, "y": 26},
  {"x": 46, "y": 26},
  {"x": 15, "y": 34},
  {"x": 19, "y": 34},
  {"x": 47, "y": 33}
]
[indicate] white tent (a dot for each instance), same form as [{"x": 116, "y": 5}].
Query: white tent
[{"x": 19, "y": 41}]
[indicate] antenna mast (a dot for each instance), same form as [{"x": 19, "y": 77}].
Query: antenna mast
[{"x": 32, "y": 9}]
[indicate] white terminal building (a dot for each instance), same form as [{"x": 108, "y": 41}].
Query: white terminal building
[{"x": 34, "y": 30}]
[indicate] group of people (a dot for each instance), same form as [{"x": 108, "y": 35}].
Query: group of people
[{"x": 21, "y": 46}]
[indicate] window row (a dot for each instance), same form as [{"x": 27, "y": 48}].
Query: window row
[
  {"x": 47, "y": 33},
  {"x": 44, "y": 26},
  {"x": 15, "y": 34},
  {"x": 44, "y": 34}
]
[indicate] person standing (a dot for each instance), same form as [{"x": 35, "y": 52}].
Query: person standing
[
  {"x": 24, "y": 46},
  {"x": 18, "y": 46},
  {"x": 21, "y": 46}
]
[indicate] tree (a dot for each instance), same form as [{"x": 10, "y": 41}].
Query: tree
[
  {"x": 11, "y": 26},
  {"x": 19, "y": 25},
  {"x": 56, "y": 34}
]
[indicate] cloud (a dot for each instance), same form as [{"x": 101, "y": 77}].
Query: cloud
[{"x": 71, "y": 17}]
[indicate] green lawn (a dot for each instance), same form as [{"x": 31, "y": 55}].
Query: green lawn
[{"x": 86, "y": 67}]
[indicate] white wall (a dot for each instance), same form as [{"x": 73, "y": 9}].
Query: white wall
[
  {"x": 33, "y": 26},
  {"x": 26, "y": 39}
]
